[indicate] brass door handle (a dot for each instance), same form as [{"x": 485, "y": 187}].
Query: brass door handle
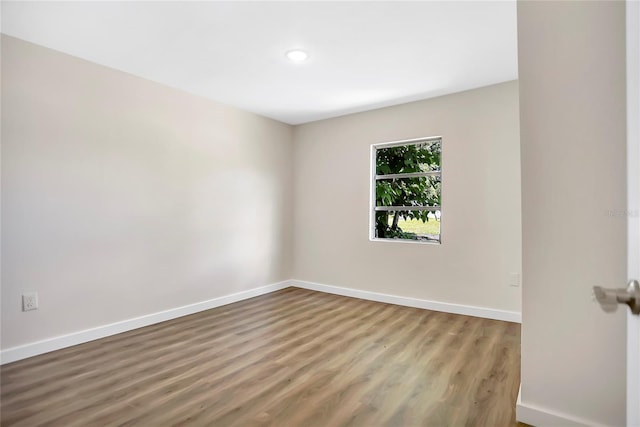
[{"x": 610, "y": 298}]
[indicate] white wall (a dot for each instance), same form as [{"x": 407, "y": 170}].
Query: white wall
[
  {"x": 481, "y": 234},
  {"x": 572, "y": 118},
  {"x": 122, "y": 197}
]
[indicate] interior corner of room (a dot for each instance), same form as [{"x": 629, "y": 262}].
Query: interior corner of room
[{"x": 142, "y": 200}]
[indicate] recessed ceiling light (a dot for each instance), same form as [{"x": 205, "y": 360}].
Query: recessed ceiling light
[{"x": 297, "y": 55}]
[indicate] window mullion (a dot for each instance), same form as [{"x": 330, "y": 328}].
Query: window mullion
[
  {"x": 408, "y": 175},
  {"x": 407, "y": 208}
]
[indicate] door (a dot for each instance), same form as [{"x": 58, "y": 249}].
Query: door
[
  {"x": 609, "y": 299},
  {"x": 633, "y": 203}
]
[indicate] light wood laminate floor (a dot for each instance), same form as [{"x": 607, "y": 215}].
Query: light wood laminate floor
[{"x": 290, "y": 358}]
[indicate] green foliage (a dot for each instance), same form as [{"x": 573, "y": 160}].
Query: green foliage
[
  {"x": 419, "y": 191},
  {"x": 397, "y": 233},
  {"x": 409, "y": 158}
]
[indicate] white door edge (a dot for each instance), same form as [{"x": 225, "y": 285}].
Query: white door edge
[{"x": 633, "y": 204}]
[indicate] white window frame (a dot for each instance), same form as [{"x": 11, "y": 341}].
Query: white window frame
[{"x": 374, "y": 178}]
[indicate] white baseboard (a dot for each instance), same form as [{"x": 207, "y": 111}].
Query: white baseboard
[
  {"x": 468, "y": 310},
  {"x": 56, "y": 343},
  {"x": 544, "y": 417}
]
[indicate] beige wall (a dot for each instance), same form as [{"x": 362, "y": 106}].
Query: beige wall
[
  {"x": 572, "y": 109},
  {"x": 481, "y": 240},
  {"x": 122, "y": 197}
]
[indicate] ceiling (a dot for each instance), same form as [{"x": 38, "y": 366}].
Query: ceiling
[{"x": 363, "y": 55}]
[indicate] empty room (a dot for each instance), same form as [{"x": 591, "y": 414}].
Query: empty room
[{"x": 320, "y": 213}]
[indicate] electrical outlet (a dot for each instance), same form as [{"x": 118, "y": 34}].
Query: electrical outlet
[
  {"x": 30, "y": 301},
  {"x": 514, "y": 280}
]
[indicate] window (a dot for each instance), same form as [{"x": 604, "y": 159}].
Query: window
[{"x": 406, "y": 190}]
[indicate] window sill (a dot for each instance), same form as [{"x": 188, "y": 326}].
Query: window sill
[{"x": 415, "y": 242}]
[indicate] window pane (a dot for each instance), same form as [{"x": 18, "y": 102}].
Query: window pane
[
  {"x": 420, "y": 191},
  {"x": 408, "y": 225},
  {"x": 411, "y": 158}
]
